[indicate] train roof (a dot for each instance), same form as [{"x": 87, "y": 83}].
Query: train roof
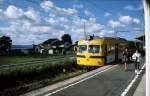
[
  {"x": 107, "y": 38},
  {"x": 118, "y": 38},
  {"x": 102, "y": 40}
]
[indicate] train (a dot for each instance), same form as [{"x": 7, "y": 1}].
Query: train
[{"x": 100, "y": 51}]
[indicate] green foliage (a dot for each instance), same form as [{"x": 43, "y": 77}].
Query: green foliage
[
  {"x": 5, "y": 43},
  {"x": 26, "y": 78},
  {"x": 19, "y": 59},
  {"x": 59, "y": 65},
  {"x": 66, "y": 38}
]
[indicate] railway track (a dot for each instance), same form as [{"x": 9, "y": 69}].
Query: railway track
[{"x": 51, "y": 60}]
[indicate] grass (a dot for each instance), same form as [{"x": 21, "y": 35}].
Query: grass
[
  {"x": 17, "y": 80},
  {"x": 10, "y": 59},
  {"x": 20, "y": 59},
  {"x": 60, "y": 77},
  {"x": 20, "y": 79},
  {"x": 19, "y": 70},
  {"x": 22, "y": 86},
  {"x": 15, "y": 85}
]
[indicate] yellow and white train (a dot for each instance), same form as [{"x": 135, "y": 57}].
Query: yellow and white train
[{"x": 100, "y": 51}]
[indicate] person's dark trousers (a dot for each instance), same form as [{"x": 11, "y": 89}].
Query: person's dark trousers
[{"x": 137, "y": 67}]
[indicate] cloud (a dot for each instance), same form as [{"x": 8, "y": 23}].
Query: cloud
[
  {"x": 129, "y": 20},
  {"x": 26, "y": 26},
  {"x": 32, "y": 14},
  {"x": 53, "y": 21},
  {"x": 52, "y": 15},
  {"x": 22, "y": 29},
  {"x": 40, "y": 29},
  {"x": 67, "y": 11},
  {"x": 107, "y": 14},
  {"x": 132, "y": 8},
  {"x": 107, "y": 33},
  {"x": 57, "y": 22},
  {"x": 135, "y": 20},
  {"x": 94, "y": 28},
  {"x": 1, "y": 1},
  {"x": 125, "y": 19},
  {"x": 91, "y": 27},
  {"x": 2, "y": 15},
  {"x": 48, "y": 5},
  {"x": 137, "y": 29},
  {"x": 25, "y": 33},
  {"x": 88, "y": 13},
  {"x": 13, "y": 12},
  {"x": 63, "y": 19},
  {"x": 115, "y": 24}
]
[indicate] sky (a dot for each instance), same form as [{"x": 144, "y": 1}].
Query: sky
[{"x": 34, "y": 21}]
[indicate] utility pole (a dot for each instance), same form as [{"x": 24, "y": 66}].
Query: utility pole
[
  {"x": 116, "y": 33},
  {"x": 146, "y": 4},
  {"x": 84, "y": 31}
]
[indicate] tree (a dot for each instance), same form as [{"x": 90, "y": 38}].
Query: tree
[
  {"x": 5, "y": 44},
  {"x": 67, "y": 42},
  {"x": 66, "y": 38}
]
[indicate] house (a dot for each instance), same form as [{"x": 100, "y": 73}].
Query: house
[{"x": 52, "y": 46}]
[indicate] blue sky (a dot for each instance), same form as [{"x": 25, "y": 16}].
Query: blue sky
[{"x": 34, "y": 21}]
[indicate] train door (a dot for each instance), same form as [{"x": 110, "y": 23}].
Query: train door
[
  {"x": 105, "y": 52},
  {"x": 116, "y": 52}
]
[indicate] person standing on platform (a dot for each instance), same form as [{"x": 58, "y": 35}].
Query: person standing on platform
[
  {"x": 136, "y": 58},
  {"x": 125, "y": 58}
]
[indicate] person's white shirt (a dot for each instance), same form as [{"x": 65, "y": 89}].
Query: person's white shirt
[{"x": 136, "y": 55}]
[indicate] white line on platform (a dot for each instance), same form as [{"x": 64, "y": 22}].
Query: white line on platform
[
  {"x": 78, "y": 81},
  {"x": 132, "y": 82}
]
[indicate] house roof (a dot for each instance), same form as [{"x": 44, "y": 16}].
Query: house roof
[{"x": 53, "y": 41}]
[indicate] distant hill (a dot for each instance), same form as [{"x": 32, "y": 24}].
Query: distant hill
[{"x": 22, "y": 46}]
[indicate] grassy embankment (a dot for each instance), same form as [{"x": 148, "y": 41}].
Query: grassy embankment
[
  {"x": 18, "y": 80},
  {"x": 23, "y": 58}
]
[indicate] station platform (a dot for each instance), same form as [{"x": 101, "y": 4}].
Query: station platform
[
  {"x": 112, "y": 78},
  {"x": 141, "y": 89}
]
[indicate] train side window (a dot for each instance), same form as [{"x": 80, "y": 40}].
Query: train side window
[
  {"x": 110, "y": 48},
  {"x": 94, "y": 49},
  {"x": 82, "y": 48}
]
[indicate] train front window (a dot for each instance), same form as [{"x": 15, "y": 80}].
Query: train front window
[
  {"x": 82, "y": 48},
  {"x": 94, "y": 49}
]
